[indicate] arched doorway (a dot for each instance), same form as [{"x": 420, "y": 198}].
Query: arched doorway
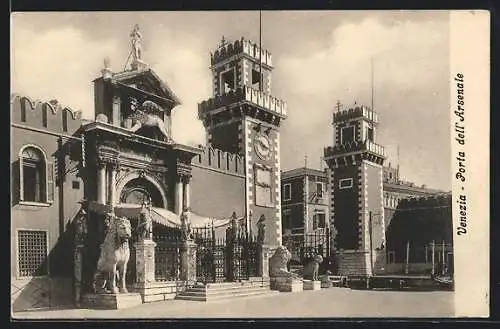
[{"x": 137, "y": 190}]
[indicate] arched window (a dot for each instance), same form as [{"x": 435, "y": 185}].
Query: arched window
[{"x": 36, "y": 176}]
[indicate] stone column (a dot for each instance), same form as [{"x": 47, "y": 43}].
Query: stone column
[
  {"x": 263, "y": 260},
  {"x": 112, "y": 185},
  {"x": 101, "y": 183},
  {"x": 145, "y": 261},
  {"x": 186, "y": 196},
  {"x": 188, "y": 261},
  {"x": 178, "y": 197}
]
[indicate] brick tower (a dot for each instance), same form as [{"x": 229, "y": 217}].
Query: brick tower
[
  {"x": 356, "y": 177},
  {"x": 243, "y": 118}
]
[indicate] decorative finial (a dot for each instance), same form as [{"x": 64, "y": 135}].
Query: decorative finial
[
  {"x": 338, "y": 106},
  {"x": 223, "y": 42},
  {"x": 107, "y": 62},
  {"x": 106, "y": 71}
]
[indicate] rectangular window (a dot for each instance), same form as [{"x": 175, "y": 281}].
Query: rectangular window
[
  {"x": 319, "y": 190},
  {"x": 255, "y": 79},
  {"x": 347, "y": 135},
  {"x": 345, "y": 183},
  {"x": 32, "y": 253},
  {"x": 287, "y": 192},
  {"x": 228, "y": 81},
  {"x": 319, "y": 221},
  {"x": 370, "y": 134},
  {"x": 75, "y": 184}
]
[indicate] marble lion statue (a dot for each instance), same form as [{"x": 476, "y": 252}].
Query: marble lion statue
[
  {"x": 312, "y": 268},
  {"x": 278, "y": 263},
  {"x": 114, "y": 256},
  {"x": 147, "y": 115}
]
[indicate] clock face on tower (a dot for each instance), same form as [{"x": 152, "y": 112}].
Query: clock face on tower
[{"x": 262, "y": 146}]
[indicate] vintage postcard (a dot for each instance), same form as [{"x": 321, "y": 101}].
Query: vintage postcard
[{"x": 250, "y": 164}]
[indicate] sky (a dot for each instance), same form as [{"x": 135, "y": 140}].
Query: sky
[{"x": 319, "y": 58}]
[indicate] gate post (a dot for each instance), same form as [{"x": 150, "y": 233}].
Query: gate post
[
  {"x": 145, "y": 261},
  {"x": 188, "y": 261},
  {"x": 187, "y": 250},
  {"x": 263, "y": 260}
]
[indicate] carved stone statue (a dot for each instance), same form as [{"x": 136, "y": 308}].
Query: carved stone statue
[
  {"x": 80, "y": 227},
  {"x": 145, "y": 226},
  {"x": 261, "y": 229},
  {"x": 135, "y": 40},
  {"x": 312, "y": 268},
  {"x": 114, "y": 256},
  {"x": 149, "y": 114},
  {"x": 185, "y": 226},
  {"x": 278, "y": 263}
]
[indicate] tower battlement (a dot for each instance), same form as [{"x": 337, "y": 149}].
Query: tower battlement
[
  {"x": 241, "y": 47},
  {"x": 221, "y": 160},
  {"x": 356, "y": 112},
  {"x": 50, "y": 115}
]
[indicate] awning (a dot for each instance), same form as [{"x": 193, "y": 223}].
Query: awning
[{"x": 162, "y": 216}]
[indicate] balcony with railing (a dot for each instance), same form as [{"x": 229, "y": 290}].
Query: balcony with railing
[
  {"x": 354, "y": 147},
  {"x": 244, "y": 94}
]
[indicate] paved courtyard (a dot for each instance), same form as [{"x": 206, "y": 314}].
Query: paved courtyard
[{"x": 335, "y": 302}]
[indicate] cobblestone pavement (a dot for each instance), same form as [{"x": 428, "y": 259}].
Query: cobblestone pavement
[{"x": 334, "y": 302}]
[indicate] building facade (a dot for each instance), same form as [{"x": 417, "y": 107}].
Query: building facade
[
  {"x": 63, "y": 166},
  {"x": 364, "y": 193},
  {"x": 305, "y": 201}
]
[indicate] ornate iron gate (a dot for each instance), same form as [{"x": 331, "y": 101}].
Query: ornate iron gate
[
  {"x": 219, "y": 260},
  {"x": 210, "y": 256},
  {"x": 167, "y": 253}
]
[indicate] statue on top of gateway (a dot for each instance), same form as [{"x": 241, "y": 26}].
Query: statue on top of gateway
[{"x": 136, "y": 43}]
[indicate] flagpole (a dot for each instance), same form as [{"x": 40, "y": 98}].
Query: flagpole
[{"x": 260, "y": 50}]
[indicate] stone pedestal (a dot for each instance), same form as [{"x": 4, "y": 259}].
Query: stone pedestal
[
  {"x": 286, "y": 284},
  {"x": 188, "y": 261},
  {"x": 111, "y": 301},
  {"x": 77, "y": 278},
  {"x": 312, "y": 285},
  {"x": 263, "y": 261},
  {"x": 325, "y": 281},
  {"x": 145, "y": 261}
]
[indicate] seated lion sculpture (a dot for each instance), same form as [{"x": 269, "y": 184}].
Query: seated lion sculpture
[
  {"x": 114, "y": 256},
  {"x": 278, "y": 263},
  {"x": 312, "y": 268}
]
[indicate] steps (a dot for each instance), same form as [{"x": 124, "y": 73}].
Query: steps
[{"x": 227, "y": 290}]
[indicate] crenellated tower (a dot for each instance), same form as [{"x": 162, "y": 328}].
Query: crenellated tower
[
  {"x": 243, "y": 118},
  {"x": 356, "y": 178}
]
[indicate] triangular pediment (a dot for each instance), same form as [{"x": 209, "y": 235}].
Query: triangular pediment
[{"x": 149, "y": 82}]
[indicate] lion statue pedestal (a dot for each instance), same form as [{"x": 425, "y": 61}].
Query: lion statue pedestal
[
  {"x": 112, "y": 293},
  {"x": 282, "y": 279},
  {"x": 311, "y": 279}
]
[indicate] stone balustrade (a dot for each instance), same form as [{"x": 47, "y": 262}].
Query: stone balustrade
[
  {"x": 246, "y": 94},
  {"x": 354, "y": 147}
]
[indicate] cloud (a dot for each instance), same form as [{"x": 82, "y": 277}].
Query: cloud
[
  {"x": 58, "y": 64},
  {"x": 61, "y": 64},
  {"x": 410, "y": 90}
]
